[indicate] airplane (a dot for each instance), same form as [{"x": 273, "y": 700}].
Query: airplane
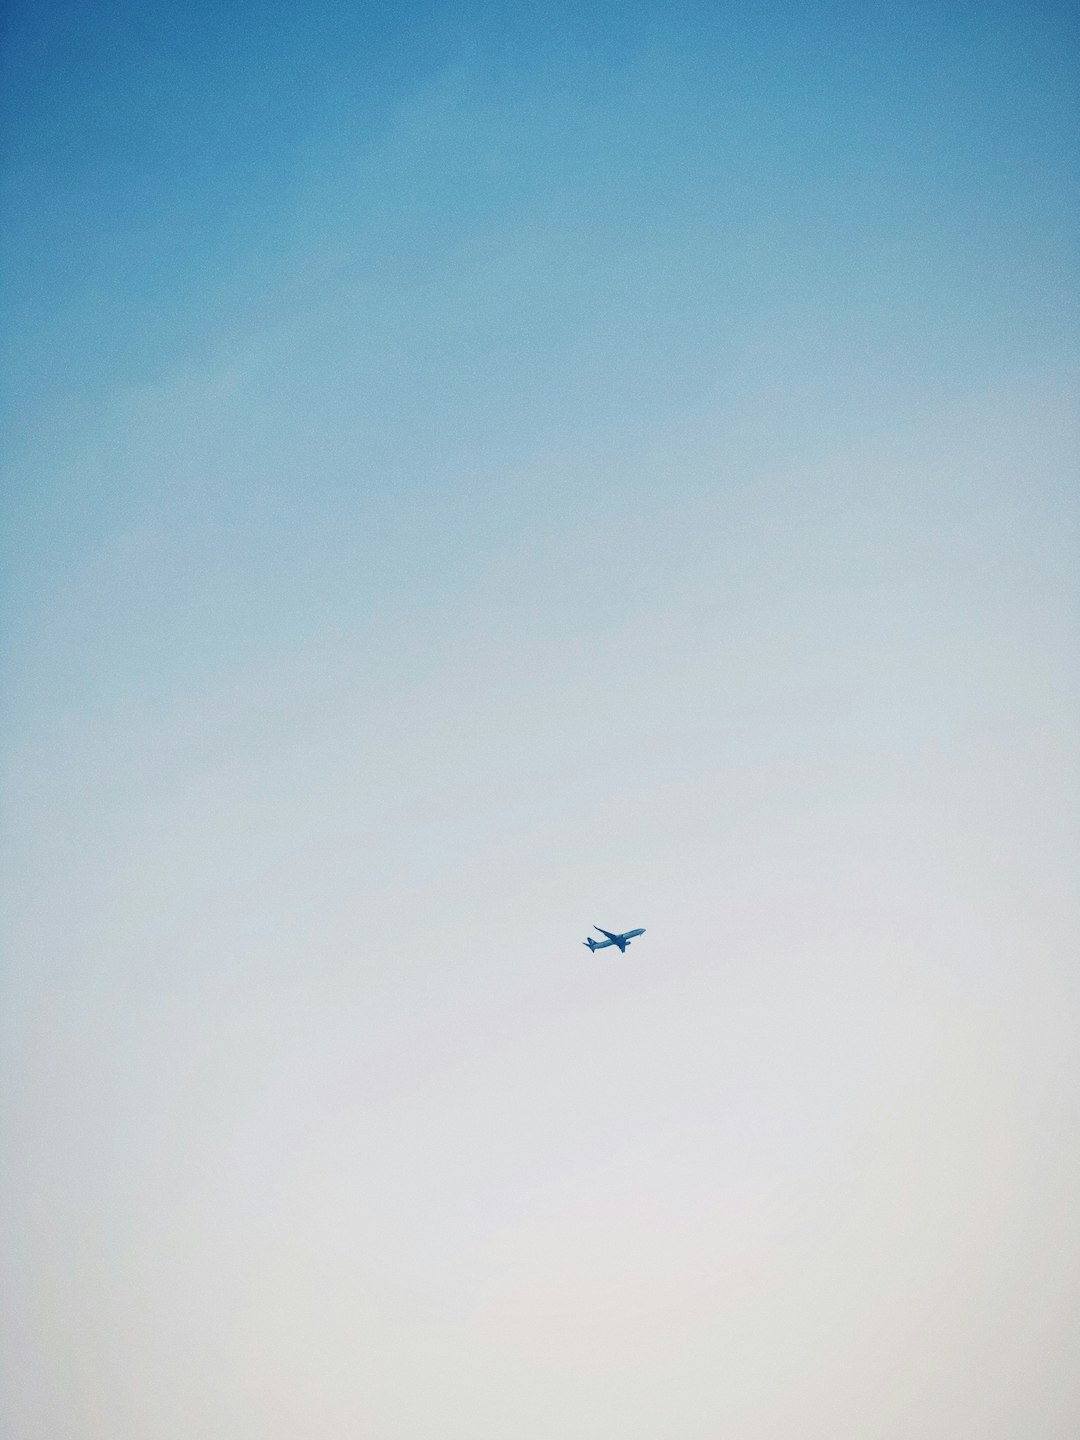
[{"x": 621, "y": 940}]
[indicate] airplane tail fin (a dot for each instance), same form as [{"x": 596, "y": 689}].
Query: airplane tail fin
[{"x": 590, "y": 942}]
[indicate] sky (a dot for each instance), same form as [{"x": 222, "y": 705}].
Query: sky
[{"x": 477, "y": 472}]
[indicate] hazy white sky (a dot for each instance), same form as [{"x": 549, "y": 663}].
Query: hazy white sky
[{"x": 473, "y": 475}]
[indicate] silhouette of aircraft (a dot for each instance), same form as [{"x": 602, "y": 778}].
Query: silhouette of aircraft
[{"x": 620, "y": 940}]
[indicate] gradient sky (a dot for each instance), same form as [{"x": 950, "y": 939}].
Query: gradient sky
[{"x": 471, "y": 473}]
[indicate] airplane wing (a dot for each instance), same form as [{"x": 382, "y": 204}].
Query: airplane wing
[{"x": 619, "y": 940}]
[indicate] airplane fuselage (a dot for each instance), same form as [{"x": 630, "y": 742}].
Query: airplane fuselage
[{"x": 610, "y": 938}]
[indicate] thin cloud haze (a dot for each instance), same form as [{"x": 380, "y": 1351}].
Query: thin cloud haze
[{"x": 470, "y": 477}]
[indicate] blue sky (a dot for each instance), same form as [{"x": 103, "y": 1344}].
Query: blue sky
[{"x": 476, "y": 472}]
